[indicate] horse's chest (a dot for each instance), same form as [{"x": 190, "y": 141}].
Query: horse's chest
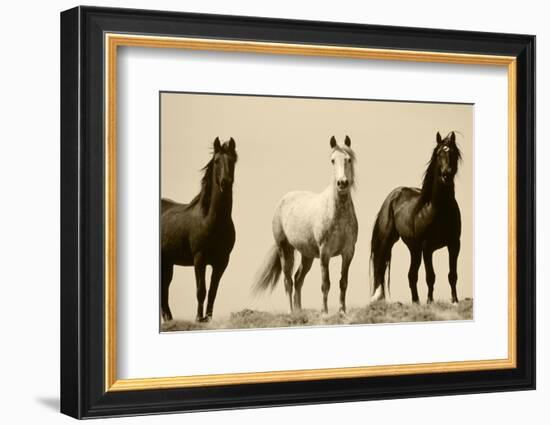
[
  {"x": 441, "y": 230},
  {"x": 337, "y": 235},
  {"x": 214, "y": 240},
  {"x": 438, "y": 228}
]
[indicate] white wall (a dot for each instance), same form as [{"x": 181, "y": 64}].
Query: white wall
[{"x": 29, "y": 225}]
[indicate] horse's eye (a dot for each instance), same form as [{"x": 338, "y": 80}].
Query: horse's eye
[{"x": 332, "y": 160}]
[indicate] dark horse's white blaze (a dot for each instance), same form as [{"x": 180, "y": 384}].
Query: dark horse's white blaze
[
  {"x": 201, "y": 233},
  {"x": 317, "y": 225},
  {"x": 426, "y": 219}
]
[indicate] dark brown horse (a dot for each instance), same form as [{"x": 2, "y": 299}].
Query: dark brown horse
[
  {"x": 201, "y": 233},
  {"x": 426, "y": 219}
]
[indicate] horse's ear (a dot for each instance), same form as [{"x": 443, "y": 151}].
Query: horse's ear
[
  {"x": 453, "y": 137},
  {"x": 217, "y": 145},
  {"x": 438, "y": 138},
  {"x": 347, "y": 142},
  {"x": 231, "y": 144},
  {"x": 332, "y": 142}
]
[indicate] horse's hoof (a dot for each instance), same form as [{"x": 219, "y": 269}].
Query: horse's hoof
[
  {"x": 342, "y": 312},
  {"x": 207, "y": 319},
  {"x": 378, "y": 295},
  {"x": 429, "y": 301}
]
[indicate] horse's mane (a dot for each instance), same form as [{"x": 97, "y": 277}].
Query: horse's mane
[
  {"x": 429, "y": 174},
  {"x": 348, "y": 150},
  {"x": 204, "y": 197}
]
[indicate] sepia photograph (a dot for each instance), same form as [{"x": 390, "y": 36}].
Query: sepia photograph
[
  {"x": 271, "y": 211},
  {"x": 293, "y": 212}
]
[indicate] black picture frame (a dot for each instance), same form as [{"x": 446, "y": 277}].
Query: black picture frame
[{"x": 83, "y": 392}]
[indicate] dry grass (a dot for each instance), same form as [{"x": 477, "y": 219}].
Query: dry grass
[{"x": 379, "y": 312}]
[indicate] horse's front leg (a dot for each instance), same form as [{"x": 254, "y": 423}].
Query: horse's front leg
[
  {"x": 325, "y": 286},
  {"x": 200, "y": 269},
  {"x": 217, "y": 272},
  {"x": 346, "y": 261},
  {"x": 454, "y": 249}
]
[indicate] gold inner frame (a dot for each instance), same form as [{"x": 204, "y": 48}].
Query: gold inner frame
[{"x": 113, "y": 41}]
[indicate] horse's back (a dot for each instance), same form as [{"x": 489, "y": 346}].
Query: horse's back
[
  {"x": 404, "y": 194},
  {"x": 307, "y": 221},
  {"x": 296, "y": 205},
  {"x": 416, "y": 220},
  {"x": 173, "y": 217},
  {"x": 401, "y": 198},
  {"x": 166, "y": 204},
  {"x": 175, "y": 224}
]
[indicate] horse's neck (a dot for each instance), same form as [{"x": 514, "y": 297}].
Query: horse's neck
[
  {"x": 221, "y": 205},
  {"x": 338, "y": 206},
  {"x": 442, "y": 195}
]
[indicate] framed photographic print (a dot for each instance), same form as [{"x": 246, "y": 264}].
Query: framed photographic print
[{"x": 261, "y": 212}]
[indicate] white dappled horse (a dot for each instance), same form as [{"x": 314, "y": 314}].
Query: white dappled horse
[{"x": 317, "y": 225}]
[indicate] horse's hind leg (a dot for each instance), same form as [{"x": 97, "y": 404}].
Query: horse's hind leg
[
  {"x": 381, "y": 262},
  {"x": 430, "y": 274},
  {"x": 416, "y": 259},
  {"x": 384, "y": 236},
  {"x": 299, "y": 277},
  {"x": 286, "y": 254},
  {"x": 166, "y": 273}
]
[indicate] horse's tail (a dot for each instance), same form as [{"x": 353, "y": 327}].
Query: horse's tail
[
  {"x": 268, "y": 275},
  {"x": 384, "y": 235}
]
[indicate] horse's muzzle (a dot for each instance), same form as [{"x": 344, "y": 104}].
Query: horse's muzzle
[
  {"x": 342, "y": 184},
  {"x": 226, "y": 184},
  {"x": 446, "y": 178}
]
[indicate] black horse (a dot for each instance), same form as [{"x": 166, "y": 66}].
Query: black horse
[
  {"x": 426, "y": 219},
  {"x": 201, "y": 233}
]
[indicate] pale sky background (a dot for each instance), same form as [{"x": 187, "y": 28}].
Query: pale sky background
[{"x": 283, "y": 145}]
